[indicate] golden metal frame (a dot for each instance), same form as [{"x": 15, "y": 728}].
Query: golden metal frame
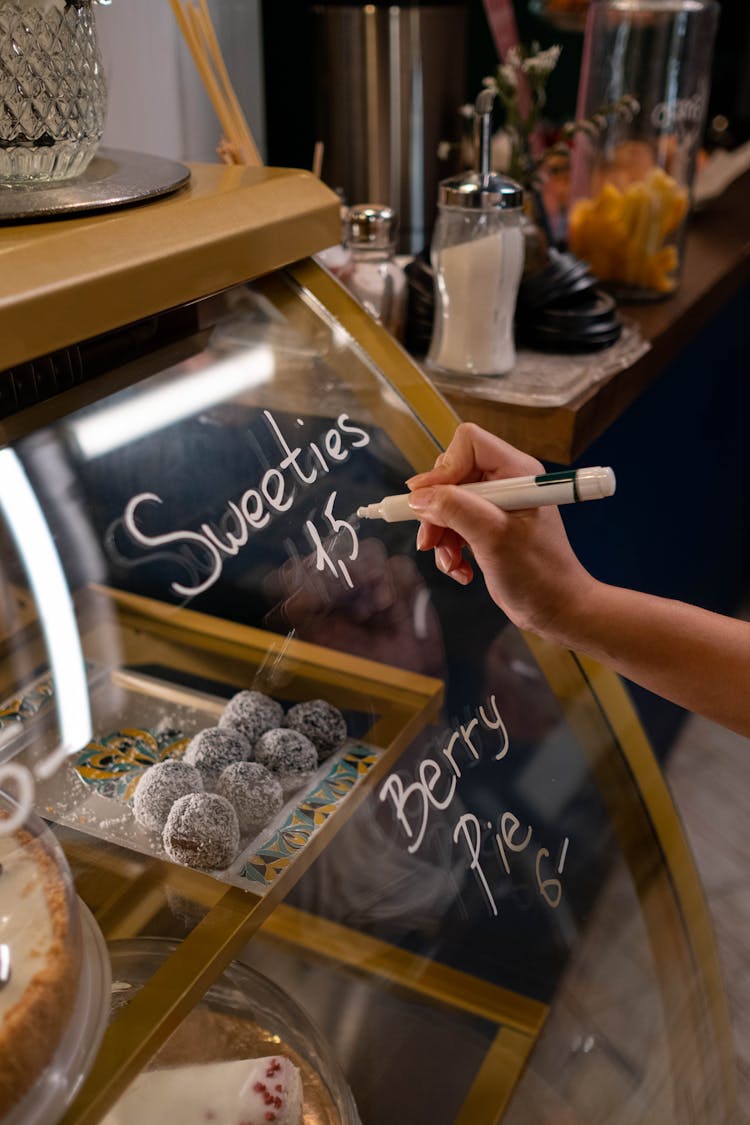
[
  {"x": 664, "y": 875},
  {"x": 67, "y": 280},
  {"x": 185, "y": 248}
]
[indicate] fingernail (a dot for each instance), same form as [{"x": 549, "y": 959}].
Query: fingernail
[
  {"x": 421, "y": 537},
  {"x": 443, "y": 559},
  {"x": 421, "y": 499},
  {"x": 461, "y": 575}
]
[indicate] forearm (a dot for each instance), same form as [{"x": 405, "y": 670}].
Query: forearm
[{"x": 697, "y": 659}]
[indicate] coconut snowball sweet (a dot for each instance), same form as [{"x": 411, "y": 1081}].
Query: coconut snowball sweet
[
  {"x": 161, "y": 785},
  {"x": 202, "y": 831},
  {"x": 215, "y": 748},
  {"x": 319, "y": 721},
  {"x": 253, "y": 791},
  {"x": 252, "y": 713},
  {"x": 288, "y": 755}
]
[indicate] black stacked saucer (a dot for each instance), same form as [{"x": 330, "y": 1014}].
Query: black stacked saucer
[
  {"x": 560, "y": 309},
  {"x": 420, "y": 308}
]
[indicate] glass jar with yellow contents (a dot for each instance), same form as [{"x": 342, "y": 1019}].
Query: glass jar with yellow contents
[{"x": 632, "y": 177}]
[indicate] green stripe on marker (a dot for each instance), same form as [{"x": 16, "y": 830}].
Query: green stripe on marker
[{"x": 560, "y": 478}]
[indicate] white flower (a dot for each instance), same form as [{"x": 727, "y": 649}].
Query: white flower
[
  {"x": 444, "y": 150},
  {"x": 502, "y": 150},
  {"x": 508, "y": 76},
  {"x": 513, "y": 57},
  {"x": 542, "y": 63}
]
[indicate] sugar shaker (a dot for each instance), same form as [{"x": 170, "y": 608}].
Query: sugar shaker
[{"x": 477, "y": 255}]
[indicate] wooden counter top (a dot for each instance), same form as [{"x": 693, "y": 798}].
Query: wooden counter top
[{"x": 717, "y": 265}]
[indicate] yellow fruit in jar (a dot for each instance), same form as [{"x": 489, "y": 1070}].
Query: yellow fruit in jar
[{"x": 623, "y": 231}]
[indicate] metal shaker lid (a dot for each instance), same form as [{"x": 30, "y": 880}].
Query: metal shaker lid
[
  {"x": 481, "y": 192},
  {"x": 371, "y": 224}
]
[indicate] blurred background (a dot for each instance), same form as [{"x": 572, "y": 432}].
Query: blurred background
[{"x": 157, "y": 102}]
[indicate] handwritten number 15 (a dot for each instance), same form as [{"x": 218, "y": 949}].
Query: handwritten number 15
[{"x": 338, "y": 528}]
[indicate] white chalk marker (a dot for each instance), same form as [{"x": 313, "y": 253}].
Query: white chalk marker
[{"x": 512, "y": 494}]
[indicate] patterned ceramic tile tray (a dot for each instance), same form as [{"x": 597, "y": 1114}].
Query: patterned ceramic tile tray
[
  {"x": 93, "y": 791},
  {"x": 19, "y": 712}
]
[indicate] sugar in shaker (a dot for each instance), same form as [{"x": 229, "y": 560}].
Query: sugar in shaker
[{"x": 477, "y": 254}]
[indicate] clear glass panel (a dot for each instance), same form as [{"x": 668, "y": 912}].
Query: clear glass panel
[{"x": 501, "y": 866}]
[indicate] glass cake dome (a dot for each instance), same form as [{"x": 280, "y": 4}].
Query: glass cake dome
[
  {"x": 54, "y": 974},
  {"x": 244, "y": 1016}
]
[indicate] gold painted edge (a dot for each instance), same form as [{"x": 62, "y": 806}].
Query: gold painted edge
[
  {"x": 72, "y": 279},
  {"x": 677, "y": 856},
  {"x": 575, "y": 678},
  {"x": 407, "y": 379},
  {"x": 497, "y": 1078},
  {"x": 249, "y": 638},
  {"x": 437, "y": 982}
]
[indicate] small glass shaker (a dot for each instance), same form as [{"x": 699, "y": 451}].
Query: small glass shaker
[
  {"x": 477, "y": 255},
  {"x": 376, "y": 279}
]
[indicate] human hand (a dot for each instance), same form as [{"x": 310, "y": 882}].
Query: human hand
[{"x": 528, "y": 564}]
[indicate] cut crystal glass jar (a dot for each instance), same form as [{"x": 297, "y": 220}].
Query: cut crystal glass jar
[{"x": 53, "y": 93}]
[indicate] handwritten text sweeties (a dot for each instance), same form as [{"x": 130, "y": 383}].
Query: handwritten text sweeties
[{"x": 277, "y": 491}]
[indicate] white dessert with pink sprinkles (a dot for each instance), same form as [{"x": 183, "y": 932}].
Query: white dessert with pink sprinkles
[{"x": 264, "y": 1091}]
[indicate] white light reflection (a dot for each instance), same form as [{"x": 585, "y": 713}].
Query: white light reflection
[
  {"x": 22, "y": 783},
  {"x": 176, "y": 398},
  {"x": 41, "y": 562}
]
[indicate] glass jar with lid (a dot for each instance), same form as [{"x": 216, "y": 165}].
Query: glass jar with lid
[
  {"x": 375, "y": 277},
  {"x": 632, "y": 179},
  {"x": 477, "y": 255}
]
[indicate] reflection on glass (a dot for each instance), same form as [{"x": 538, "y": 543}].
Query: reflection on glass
[
  {"x": 41, "y": 561},
  {"x": 155, "y": 408},
  {"x": 205, "y": 520}
]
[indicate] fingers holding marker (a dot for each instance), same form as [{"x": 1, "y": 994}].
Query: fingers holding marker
[
  {"x": 428, "y": 536},
  {"x": 475, "y": 455},
  {"x": 444, "y": 471},
  {"x": 451, "y": 562},
  {"x": 439, "y": 533},
  {"x": 431, "y": 535},
  {"x": 467, "y": 517}
]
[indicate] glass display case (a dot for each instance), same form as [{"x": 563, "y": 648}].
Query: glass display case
[{"x": 474, "y": 902}]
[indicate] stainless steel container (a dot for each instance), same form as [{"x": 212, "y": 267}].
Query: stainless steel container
[{"x": 390, "y": 80}]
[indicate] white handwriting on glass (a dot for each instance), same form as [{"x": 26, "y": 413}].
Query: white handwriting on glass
[
  {"x": 435, "y": 789},
  {"x": 277, "y": 491},
  {"x": 323, "y": 557}
]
